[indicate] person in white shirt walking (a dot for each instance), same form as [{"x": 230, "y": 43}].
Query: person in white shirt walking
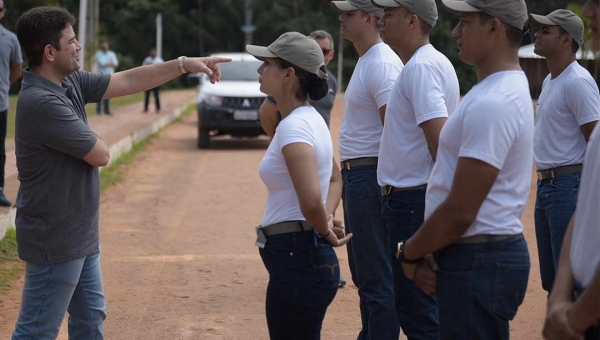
[
  {"x": 480, "y": 183},
  {"x": 153, "y": 58},
  {"x": 365, "y": 103},
  {"x": 574, "y": 304},
  {"x": 425, "y": 93},
  {"x": 107, "y": 63},
  {"x": 567, "y": 111}
]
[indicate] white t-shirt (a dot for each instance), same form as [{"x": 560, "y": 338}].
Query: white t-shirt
[
  {"x": 427, "y": 88},
  {"x": 566, "y": 102},
  {"x": 303, "y": 125},
  {"x": 493, "y": 124},
  {"x": 368, "y": 90},
  {"x": 585, "y": 252},
  {"x": 149, "y": 60}
]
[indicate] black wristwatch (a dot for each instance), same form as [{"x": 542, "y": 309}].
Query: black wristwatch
[{"x": 400, "y": 254}]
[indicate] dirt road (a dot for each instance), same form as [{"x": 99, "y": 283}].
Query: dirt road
[{"x": 178, "y": 254}]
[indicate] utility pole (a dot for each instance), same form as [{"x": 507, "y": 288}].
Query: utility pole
[
  {"x": 82, "y": 26},
  {"x": 159, "y": 31},
  {"x": 248, "y": 28},
  {"x": 340, "y": 67}
]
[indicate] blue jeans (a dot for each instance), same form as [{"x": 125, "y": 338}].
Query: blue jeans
[
  {"x": 106, "y": 103},
  {"x": 50, "y": 290},
  {"x": 480, "y": 287},
  {"x": 303, "y": 277},
  {"x": 554, "y": 207},
  {"x": 368, "y": 253},
  {"x": 403, "y": 213}
]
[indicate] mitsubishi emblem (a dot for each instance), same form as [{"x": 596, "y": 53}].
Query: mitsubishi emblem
[{"x": 246, "y": 103}]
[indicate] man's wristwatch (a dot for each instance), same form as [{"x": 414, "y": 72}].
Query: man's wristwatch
[
  {"x": 400, "y": 254},
  {"x": 181, "y": 67}
]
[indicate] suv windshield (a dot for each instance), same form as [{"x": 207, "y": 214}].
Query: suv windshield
[{"x": 240, "y": 71}]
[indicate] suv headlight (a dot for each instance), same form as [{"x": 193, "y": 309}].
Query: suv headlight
[{"x": 211, "y": 99}]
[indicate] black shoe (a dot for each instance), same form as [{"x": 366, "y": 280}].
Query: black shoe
[
  {"x": 4, "y": 202},
  {"x": 342, "y": 282},
  {"x": 108, "y": 113}
]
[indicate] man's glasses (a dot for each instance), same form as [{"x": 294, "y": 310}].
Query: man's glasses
[{"x": 325, "y": 50}]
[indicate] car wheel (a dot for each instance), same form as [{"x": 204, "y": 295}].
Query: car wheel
[{"x": 203, "y": 139}]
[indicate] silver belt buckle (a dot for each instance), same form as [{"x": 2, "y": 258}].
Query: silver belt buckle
[{"x": 261, "y": 238}]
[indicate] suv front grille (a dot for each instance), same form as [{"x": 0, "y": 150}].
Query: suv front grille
[{"x": 242, "y": 103}]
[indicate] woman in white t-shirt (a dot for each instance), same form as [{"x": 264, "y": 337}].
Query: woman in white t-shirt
[{"x": 297, "y": 234}]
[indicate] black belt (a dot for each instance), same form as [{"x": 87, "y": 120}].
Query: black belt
[
  {"x": 561, "y": 170},
  {"x": 286, "y": 227},
  {"x": 279, "y": 228},
  {"x": 351, "y": 163},
  {"x": 387, "y": 190},
  {"x": 485, "y": 238}
]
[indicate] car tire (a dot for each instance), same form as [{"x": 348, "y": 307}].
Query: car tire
[{"x": 203, "y": 139}]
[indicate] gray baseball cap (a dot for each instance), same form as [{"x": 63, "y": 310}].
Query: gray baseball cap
[
  {"x": 564, "y": 18},
  {"x": 512, "y": 12},
  {"x": 295, "y": 48},
  {"x": 426, "y": 10},
  {"x": 363, "y": 5}
]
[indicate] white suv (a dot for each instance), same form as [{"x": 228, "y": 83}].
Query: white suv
[{"x": 230, "y": 107}]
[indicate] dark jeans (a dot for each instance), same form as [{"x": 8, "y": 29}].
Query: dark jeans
[
  {"x": 303, "y": 277},
  {"x": 480, "y": 287},
  {"x": 156, "y": 92},
  {"x": 368, "y": 253},
  {"x": 403, "y": 213},
  {"x": 554, "y": 207},
  {"x": 106, "y": 103},
  {"x": 3, "y": 122}
]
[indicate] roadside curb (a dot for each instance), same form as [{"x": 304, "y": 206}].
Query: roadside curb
[{"x": 116, "y": 150}]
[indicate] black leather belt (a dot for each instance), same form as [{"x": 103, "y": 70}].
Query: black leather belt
[
  {"x": 561, "y": 170},
  {"x": 351, "y": 163},
  {"x": 485, "y": 238},
  {"x": 387, "y": 190},
  {"x": 279, "y": 228}
]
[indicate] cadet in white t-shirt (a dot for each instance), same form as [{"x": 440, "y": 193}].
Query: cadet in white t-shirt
[
  {"x": 424, "y": 94},
  {"x": 297, "y": 235},
  {"x": 578, "y": 273},
  {"x": 567, "y": 111},
  {"x": 480, "y": 183},
  {"x": 365, "y": 104},
  {"x": 153, "y": 58}
]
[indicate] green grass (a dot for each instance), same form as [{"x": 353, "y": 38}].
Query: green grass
[
  {"x": 10, "y": 265},
  {"x": 90, "y": 109}
]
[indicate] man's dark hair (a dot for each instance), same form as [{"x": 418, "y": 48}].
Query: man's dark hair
[
  {"x": 513, "y": 34},
  {"x": 39, "y": 27},
  {"x": 425, "y": 27},
  {"x": 311, "y": 86},
  {"x": 574, "y": 44}
]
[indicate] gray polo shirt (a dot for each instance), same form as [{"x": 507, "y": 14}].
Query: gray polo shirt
[
  {"x": 10, "y": 54},
  {"x": 325, "y": 104},
  {"x": 59, "y": 195}
]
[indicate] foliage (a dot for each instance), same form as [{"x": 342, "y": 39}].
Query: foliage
[{"x": 201, "y": 27}]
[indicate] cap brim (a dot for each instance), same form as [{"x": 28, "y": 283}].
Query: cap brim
[
  {"x": 385, "y": 3},
  {"x": 344, "y": 6},
  {"x": 541, "y": 20},
  {"x": 457, "y": 7},
  {"x": 260, "y": 52}
]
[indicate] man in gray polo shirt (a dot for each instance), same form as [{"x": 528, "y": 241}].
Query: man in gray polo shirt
[
  {"x": 58, "y": 156},
  {"x": 10, "y": 71}
]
